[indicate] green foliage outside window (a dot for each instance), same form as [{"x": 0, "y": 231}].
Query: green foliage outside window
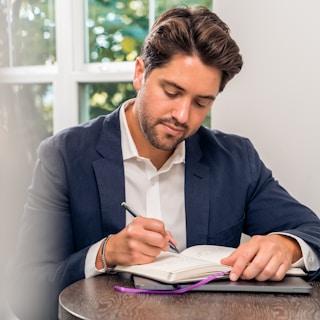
[
  {"x": 106, "y": 97},
  {"x": 30, "y": 36},
  {"x": 116, "y": 29}
]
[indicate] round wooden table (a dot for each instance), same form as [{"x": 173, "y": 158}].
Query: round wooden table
[{"x": 95, "y": 298}]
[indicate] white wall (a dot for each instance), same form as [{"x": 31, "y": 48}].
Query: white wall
[{"x": 275, "y": 99}]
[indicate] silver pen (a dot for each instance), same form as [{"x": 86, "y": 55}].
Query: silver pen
[{"x": 134, "y": 214}]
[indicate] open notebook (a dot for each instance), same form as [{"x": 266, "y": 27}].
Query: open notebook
[{"x": 192, "y": 264}]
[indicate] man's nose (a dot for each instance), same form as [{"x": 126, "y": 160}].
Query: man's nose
[{"x": 181, "y": 111}]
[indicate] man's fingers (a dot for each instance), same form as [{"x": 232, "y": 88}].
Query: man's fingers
[
  {"x": 147, "y": 236},
  {"x": 261, "y": 258},
  {"x": 240, "y": 266},
  {"x": 240, "y": 259}
]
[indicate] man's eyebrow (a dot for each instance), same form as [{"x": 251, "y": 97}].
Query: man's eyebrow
[{"x": 173, "y": 84}]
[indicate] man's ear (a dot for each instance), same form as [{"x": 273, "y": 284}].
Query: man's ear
[{"x": 138, "y": 73}]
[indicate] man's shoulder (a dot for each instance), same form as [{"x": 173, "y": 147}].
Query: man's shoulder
[
  {"x": 84, "y": 136},
  {"x": 75, "y": 135},
  {"x": 87, "y": 131},
  {"x": 213, "y": 138}
]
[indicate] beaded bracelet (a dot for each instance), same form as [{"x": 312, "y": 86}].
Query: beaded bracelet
[{"x": 103, "y": 256}]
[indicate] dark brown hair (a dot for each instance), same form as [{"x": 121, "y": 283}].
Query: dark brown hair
[{"x": 193, "y": 32}]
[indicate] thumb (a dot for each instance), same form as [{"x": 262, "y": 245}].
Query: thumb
[{"x": 170, "y": 237}]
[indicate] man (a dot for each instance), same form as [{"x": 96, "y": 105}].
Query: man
[{"x": 190, "y": 184}]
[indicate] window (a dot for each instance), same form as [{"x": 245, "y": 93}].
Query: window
[
  {"x": 62, "y": 62},
  {"x": 82, "y": 50},
  {"x": 27, "y": 56}
]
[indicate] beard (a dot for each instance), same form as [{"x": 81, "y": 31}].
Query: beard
[{"x": 160, "y": 140}]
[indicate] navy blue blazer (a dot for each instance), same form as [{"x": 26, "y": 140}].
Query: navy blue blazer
[{"x": 74, "y": 201}]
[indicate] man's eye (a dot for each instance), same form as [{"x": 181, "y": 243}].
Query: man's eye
[
  {"x": 200, "y": 104},
  {"x": 171, "y": 94}
]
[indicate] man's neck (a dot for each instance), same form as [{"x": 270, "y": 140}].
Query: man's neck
[{"x": 157, "y": 157}]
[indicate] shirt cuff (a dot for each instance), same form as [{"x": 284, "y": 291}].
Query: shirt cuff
[
  {"x": 310, "y": 260},
  {"x": 90, "y": 269}
]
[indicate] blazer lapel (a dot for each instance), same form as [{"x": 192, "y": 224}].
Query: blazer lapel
[
  {"x": 196, "y": 194},
  {"x": 109, "y": 172}
]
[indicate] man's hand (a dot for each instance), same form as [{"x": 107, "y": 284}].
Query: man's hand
[
  {"x": 263, "y": 258},
  {"x": 139, "y": 242}
]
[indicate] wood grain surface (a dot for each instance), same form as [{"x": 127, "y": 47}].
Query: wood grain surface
[{"x": 95, "y": 298}]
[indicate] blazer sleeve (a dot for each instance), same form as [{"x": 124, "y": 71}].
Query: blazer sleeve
[{"x": 270, "y": 208}]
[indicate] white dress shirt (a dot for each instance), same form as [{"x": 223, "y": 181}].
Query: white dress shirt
[
  {"x": 160, "y": 194},
  {"x": 155, "y": 193}
]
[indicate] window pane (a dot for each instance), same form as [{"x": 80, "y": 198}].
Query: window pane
[
  {"x": 28, "y": 33},
  {"x": 26, "y": 113},
  {"x": 115, "y": 29},
  {"x": 4, "y": 41},
  {"x": 103, "y": 98}
]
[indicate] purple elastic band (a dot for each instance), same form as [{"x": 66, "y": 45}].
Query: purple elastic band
[{"x": 175, "y": 291}]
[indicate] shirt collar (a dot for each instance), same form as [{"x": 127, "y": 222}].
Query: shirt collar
[{"x": 129, "y": 149}]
